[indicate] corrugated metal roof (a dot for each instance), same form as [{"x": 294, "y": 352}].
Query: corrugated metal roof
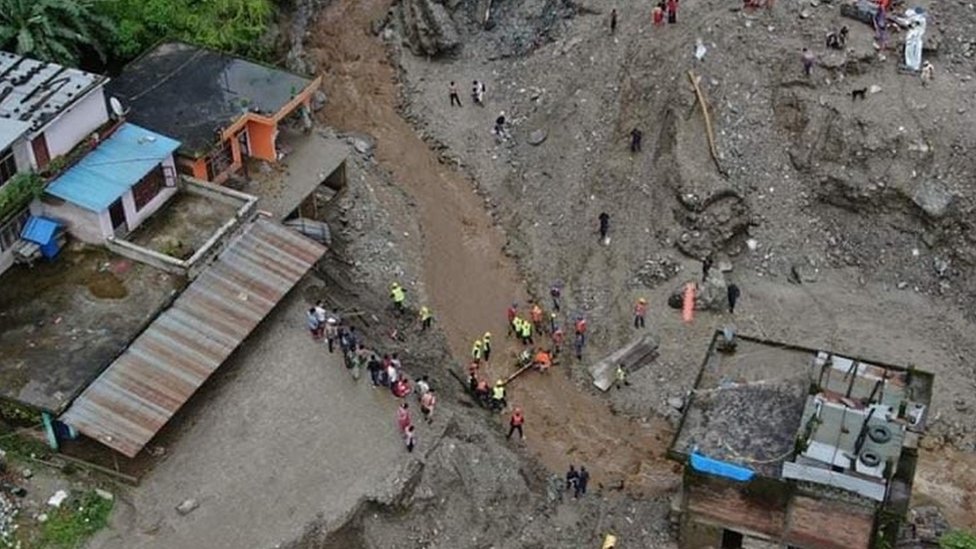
[
  {"x": 139, "y": 392},
  {"x": 36, "y": 92},
  {"x": 113, "y": 167},
  {"x": 10, "y": 131}
]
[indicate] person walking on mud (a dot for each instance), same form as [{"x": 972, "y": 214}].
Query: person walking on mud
[
  {"x": 398, "y": 295},
  {"x": 672, "y": 11},
  {"x": 707, "y": 266},
  {"x": 312, "y": 323},
  {"x": 426, "y": 318},
  {"x": 613, "y": 21},
  {"x": 555, "y": 292},
  {"x": 515, "y": 423},
  {"x": 453, "y": 90},
  {"x": 604, "y": 225},
  {"x": 808, "y": 59},
  {"x": 582, "y": 479},
  {"x": 486, "y": 346},
  {"x": 733, "y": 293},
  {"x": 403, "y": 417},
  {"x": 640, "y": 310},
  {"x": 635, "y": 140},
  {"x": 410, "y": 438},
  {"x": 511, "y": 314}
]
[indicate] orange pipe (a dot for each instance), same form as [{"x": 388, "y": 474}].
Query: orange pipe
[{"x": 688, "y": 311}]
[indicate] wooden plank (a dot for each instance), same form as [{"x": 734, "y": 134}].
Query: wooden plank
[{"x": 632, "y": 357}]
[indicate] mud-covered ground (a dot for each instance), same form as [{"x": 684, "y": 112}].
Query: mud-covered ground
[{"x": 846, "y": 223}]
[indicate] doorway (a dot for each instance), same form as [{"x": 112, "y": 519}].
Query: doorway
[
  {"x": 42, "y": 156},
  {"x": 117, "y": 213}
]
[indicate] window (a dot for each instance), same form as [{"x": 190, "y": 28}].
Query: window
[
  {"x": 146, "y": 189},
  {"x": 8, "y": 167},
  {"x": 219, "y": 160},
  {"x": 10, "y": 233}
]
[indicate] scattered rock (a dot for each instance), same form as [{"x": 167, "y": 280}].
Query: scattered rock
[
  {"x": 677, "y": 403},
  {"x": 187, "y": 507},
  {"x": 932, "y": 198},
  {"x": 58, "y": 498},
  {"x": 362, "y": 146},
  {"x": 104, "y": 494},
  {"x": 941, "y": 267},
  {"x": 427, "y": 27},
  {"x": 538, "y": 136},
  {"x": 319, "y": 100}
]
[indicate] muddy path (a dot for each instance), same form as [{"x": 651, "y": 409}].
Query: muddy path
[{"x": 468, "y": 279}]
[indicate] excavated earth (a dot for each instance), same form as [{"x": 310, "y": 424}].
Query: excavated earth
[{"x": 846, "y": 223}]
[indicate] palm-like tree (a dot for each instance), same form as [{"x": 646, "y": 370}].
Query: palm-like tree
[{"x": 52, "y": 30}]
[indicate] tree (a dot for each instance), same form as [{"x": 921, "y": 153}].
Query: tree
[
  {"x": 234, "y": 26},
  {"x": 53, "y": 30}
]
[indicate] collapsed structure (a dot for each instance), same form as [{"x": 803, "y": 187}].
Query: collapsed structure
[{"x": 797, "y": 447}]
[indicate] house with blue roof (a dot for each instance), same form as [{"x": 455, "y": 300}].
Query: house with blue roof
[{"x": 115, "y": 187}]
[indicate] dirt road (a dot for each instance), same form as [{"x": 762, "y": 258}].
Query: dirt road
[{"x": 469, "y": 280}]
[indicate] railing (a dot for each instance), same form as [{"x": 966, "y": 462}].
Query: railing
[{"x": 247, "y": 209}]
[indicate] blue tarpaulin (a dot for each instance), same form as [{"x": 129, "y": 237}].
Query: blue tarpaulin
[
  {"x": 42, "y": 231},
  {"x": 710, "y": 466},
  {"x": 112, "y": 168}
]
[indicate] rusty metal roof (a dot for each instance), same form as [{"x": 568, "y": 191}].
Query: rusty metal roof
[{"x": 138, "y": 393}]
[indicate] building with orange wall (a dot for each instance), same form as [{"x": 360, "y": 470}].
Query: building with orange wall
[{"x": 220, "y": 107}]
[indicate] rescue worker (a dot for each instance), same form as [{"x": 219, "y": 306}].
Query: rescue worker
[
  {"x": 621, "y": 377},
  {"x": 486, "y": 346},
  {"x": 498, "y": 396},
  {"x": 536, "y": 315},
  {"x": 512, "y": 314},
  {"x": 482, "y": 392},
  {"x": 515, "y": 423},
  {"x": 572, "y": 478},
  {"x": 580, "y": 328},
  {"x": 582, "y": 481},
  {"x": 555, "y": 292},
  {"x": 526, "y": 332},
  {"x": 476, "y": 352},
  {"x": 472, "y": 382},
  {"x": 640, "y": 309},
  {"x": 516, "y": 326},
  {"x": 552, "y": 323},
  {"x": 398, "y": 294},
  {"x": 426, "y": 318},
  {"x": 542, "y": 360},
  {"x": 557, "y": 340}
]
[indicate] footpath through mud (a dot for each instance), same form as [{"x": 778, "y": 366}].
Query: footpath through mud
[{"x": 468, "y": 278}]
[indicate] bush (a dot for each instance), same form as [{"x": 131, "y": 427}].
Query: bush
[
  {"x": 234, "y": 26},
  {"x": 18, "y": 192},
  {"x": 74, "y": 522},
  {"x": 958, "y": 540}
]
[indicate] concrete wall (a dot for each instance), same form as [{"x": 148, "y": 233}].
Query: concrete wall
[
  {"x": 75, "y": 124},
  {"x": 135, "y": 218},
  {"x": 82, "y": 224},
  {"x": 23, "y": 156},
  {"x": 263, "y": 138}
]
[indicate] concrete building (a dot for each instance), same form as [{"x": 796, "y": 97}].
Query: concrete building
[
  {"x": 46, "y": 110},
  {"x": 221, "y": 108},
  {"x": 791, "y": 447},
  {"x": 115, "y": 187}
]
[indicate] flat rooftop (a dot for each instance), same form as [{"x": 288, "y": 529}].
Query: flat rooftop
[
  {"x": 190, "y": 93},
  {"x": 183, "y": 225},
  {"x": 747, "y": 406},
  {"x": 35, "y": 92},
  {"x": 812, "y": 416},
  {"x": 63, "y": 322}
]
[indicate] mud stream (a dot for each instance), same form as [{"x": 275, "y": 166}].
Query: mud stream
[{"x": 469, "y": 280}]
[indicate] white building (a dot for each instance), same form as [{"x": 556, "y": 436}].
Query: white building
[{"x": 46, "y": 110}]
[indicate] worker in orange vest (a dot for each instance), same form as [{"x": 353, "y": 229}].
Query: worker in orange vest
[
  {"x": 515, "y": 423},
  {"x": 542, "y": 360},
  {"x": 640, "y": 309},
  {"x": 536, "y": 315}
]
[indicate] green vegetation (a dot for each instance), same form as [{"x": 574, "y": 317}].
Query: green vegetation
[
  {"x": 65, "y": 31},
  {"x": 19, "y": 191},
  {"x": 53, "y": 30},
  {"x": 22, "y": 447},
  {"x": 228, "y": 25},
  {"x": 70, "y": 526},
  {"x": 958, "y": 539}
]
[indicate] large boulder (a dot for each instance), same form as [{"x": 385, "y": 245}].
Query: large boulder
[
  {"x": 710, "y": 295},
  {"x": 427, "y": 27}
]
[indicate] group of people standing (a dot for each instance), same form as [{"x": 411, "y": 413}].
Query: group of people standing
[{"x": 387, "y": 371}]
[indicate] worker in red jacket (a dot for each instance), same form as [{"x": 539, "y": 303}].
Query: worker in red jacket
[{"x": 515, "y": 423}]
